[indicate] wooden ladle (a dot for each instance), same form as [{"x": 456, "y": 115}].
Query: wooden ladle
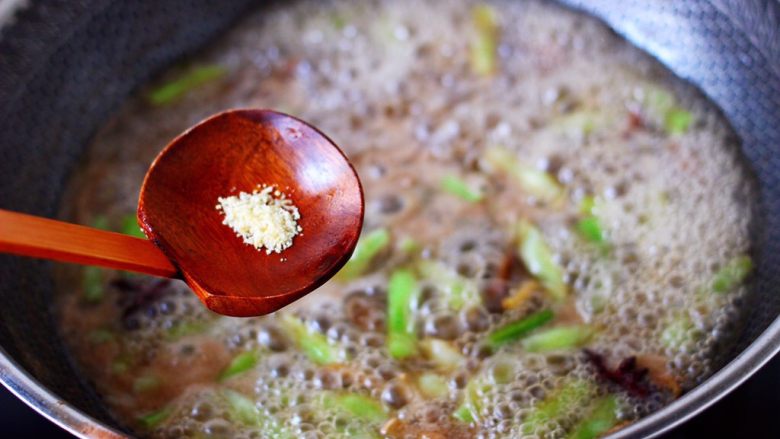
[{"x": 228, "y": 153}]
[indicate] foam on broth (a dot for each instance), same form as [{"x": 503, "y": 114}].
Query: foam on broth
[{"x": 391, "y": 83}]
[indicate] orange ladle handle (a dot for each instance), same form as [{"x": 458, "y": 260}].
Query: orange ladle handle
[{"x": 37, "y": 237}]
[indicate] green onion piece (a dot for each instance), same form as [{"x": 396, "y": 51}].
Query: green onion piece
[
  {"x": 145, "y": 383},
  {"x": 663, "y": 105},
  {"x": 458, "y": 290},
  {"x": 588, "y": 205},
  {"x": 678, "y": 332},
  {"x": 194, "y": 78},
  {"x": 401, "y": 304},
  {"x": 367, "y": 248},
  {"x": 338, "y": 21},
  {"x": 502, "y": 371},
  {"x": 732, "y": 274},
  {"x": 677, "y": 121},
  {"x": 580, "y": 123},
  {"x": 590, "y": 229},
  {"x": 560, "y": 403},
  {"x": 401, "y": 346},
  {"x": 119, "y": 366},
  {"x": 100, "y": 222},
  {"x": 601, "y": 419},
  {"x": 155, "y": 418},
  {"x": 185, "y": 329},
  {"x": 442, "y": 354},
  {"x": 463, "y": 414},
  {"x": 130, "y": 227},
  {"x": 589, "y": 226},
  {"x": 92, "y": 285},
  {"x": 432, "y": 385},
  {"x": 356, "y": 405},
  {"x": 243, "y": 410},
  {"x": 538, "y": 259},
  {"x": 485, "y": 43},
  {"x": 313, "y": 344},
  {"x": 459, "y": 188},
  {"x": 409, "y": 245},
  {"x": 535, "y": 182},
  {"x": 469, "y": 410},
  {"x": 562, "y": 337},
  {"x": 241, "y": 363},
  {"x": 518, "y": 329},
  {"x": 100, "y": 336}
]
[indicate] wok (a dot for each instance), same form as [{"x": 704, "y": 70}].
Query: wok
[{"x": 66, "y": 65}]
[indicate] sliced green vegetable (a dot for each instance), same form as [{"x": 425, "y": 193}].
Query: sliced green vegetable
[
  {"x": 432, "y": 385},
  {"x": 145, "y": 383},
  {"x": 562, "y": 337},
  {"x": 502, "y": 371},
  {"x": 588, "y": 205},
  {"x": 100, "y": 222},
  {"x": 92, "y": 285},
  {"x": 100, "y": 336},
  {"x": 732, "y": 274},
  {"x": 460, "y": 188},
  {"x": 459, "y": 291},
  {"x": 401, "y": 305},
  {"x": 563, "y": 401},
  {"x": 464, "y": 414},
  {"x": 194, "y": 78},
  {"x": 663, "y": 105},
  {"x": 241, "y": 363},
  {"x": 409, "y": 245},
  {"x": 518, "y": 329},
  {"x": 601, "y": 419},
  {"x": 678, "y": 332},
  {"x": 442, "y": 354},
  {"x": 469, "y": 410},
  {"x": 313, "y": 344},
  {"x": 579, "y": 123},
  {"x": 130, "y": 227},
  {"x": 155, "y": 418},
  {"x": 367, "y": 248},
  {"x": 538, "y": 259},
  {"x": 658, "y": 100},
  {"x": 242, "y": 409},
  {"x": 590, "y": 229},
  {"x": 185, "y": 329},
  {"x": 484, "y": 46},
  {"x": 338, "y": 21},
  {"x": 401, "y": 345},
  {"x": 677, "y": 121},
  {"x": 535, "y": 182},
  {"x": 119, "y": 366},
  {"x": 359, "y": 406}
]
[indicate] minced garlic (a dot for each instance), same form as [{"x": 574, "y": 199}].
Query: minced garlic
[{"x": 266, "y": 218}]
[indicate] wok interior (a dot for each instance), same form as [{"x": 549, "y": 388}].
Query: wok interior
[{"x": 45, "y": 128}]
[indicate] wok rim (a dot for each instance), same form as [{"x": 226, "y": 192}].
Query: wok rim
[{"x": 717, "y": 386}]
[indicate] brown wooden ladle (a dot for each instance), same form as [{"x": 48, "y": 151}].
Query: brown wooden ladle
[{"x": 228, "y": 153}]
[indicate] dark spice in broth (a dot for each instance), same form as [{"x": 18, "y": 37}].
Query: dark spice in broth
[{"x": 555, "y": 241}]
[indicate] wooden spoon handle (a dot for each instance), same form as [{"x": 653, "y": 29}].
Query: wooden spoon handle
[{"x": 28, "y": 235}]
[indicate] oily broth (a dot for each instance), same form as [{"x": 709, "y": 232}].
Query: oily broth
[{"x": 390, "y": 82}]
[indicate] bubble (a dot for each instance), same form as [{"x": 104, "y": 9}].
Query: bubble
[{"x": 395, "y": 395}]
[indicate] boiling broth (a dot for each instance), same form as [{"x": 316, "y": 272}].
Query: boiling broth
[{"x": 520, "y": 162}]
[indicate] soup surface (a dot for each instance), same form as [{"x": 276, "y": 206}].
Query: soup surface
[{"x": 555, "y": 241}]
